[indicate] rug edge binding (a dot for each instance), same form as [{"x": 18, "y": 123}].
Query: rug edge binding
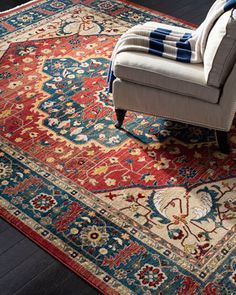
[{"x": 82, "y": 272}]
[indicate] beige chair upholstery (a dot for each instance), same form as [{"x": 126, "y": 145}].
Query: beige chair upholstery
[{"x": 199, "y": 94}]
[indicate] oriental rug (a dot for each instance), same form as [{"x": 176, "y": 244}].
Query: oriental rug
[{"x": 148, "y": 210}]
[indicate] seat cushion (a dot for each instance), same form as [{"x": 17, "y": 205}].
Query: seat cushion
[
  {"x": 165, "y": 74},
  {"x": 220, "y": 52}
]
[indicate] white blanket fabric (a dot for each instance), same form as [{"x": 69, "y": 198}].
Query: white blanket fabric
[{"x": 170, "y": 44}]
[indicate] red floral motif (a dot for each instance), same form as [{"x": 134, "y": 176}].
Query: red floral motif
[
  {"x": 43, "y": 202},
  {"x": 201, "y": 250},
  {"x": 188, "y": 287},
  {"x": 231, "y": 205},
  {"x": 210, "y": 290},
  {"x": 178, "y": 235},
  {"x": 233, "y": 277},
  {"x": 106, "y": 5},
  {"x": 123, "y": 255},
  {"x": 63, "y": 221},
  {"x": 151, "y": 276},
  {"x": 22, "y": 186}
]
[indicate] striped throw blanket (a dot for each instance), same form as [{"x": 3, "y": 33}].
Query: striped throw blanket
[{"x": 188, "y": 47}]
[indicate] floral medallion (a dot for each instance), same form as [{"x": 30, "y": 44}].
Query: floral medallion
[
  {"x": 151, "y": 276},
  {"x": 94, "y": 236},
  {"x": 43, "y": 202}
]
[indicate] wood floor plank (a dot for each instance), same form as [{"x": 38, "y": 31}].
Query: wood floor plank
[
  {"x": 8, "y": 238},
  {"x": 15, "y": 255},
  {"x": 72, "y": 285},
  {"x": 3, "y": 225},
  {"x": 26, "y": 271},
  {"x": 46, "y": 281},
  {"x": 188, "y": 10},
  {"x": 56, "y": 279}
]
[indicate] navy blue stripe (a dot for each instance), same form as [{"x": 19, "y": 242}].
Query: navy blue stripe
[
  {"x": 156, "y": 45},
  {"x": 184, "y": 51},
  {"x": 229, "y": 4},
  {"x": 110, "y": 78}
]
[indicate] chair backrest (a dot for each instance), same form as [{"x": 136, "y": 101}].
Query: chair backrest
[{"x": 220, "y": 53}]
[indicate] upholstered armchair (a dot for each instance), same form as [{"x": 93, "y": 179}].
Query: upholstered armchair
[{"x": 200, "y": 94}]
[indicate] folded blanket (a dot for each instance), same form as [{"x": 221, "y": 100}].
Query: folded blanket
[{"x": 153, "y": 39}]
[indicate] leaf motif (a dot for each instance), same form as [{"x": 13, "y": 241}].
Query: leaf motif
[
  {"x": 76, "y": 131},
  {"x": 63, "y": 123},
  {"x": 119, "y": 241},
  {"x": 87, "y": 219},
  {"x": 20, "y": 174}
]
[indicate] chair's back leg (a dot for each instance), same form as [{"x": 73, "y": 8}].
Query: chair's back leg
[
  {"x": 222, "y": 139},
  {"x": 120, "y": 115}
]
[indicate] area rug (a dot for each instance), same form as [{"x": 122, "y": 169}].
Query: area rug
[{"x": 146, "y": 210}]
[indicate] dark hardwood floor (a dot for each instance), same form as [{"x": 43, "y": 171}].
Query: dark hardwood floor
[{"x": 25, "y": 269}]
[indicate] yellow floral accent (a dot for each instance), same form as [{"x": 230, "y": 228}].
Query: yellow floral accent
[
  {"x": 135, "y": 152},
  {"x": 5, "y": 113},
  {"x": 4, "y": 182},
  {"x": 110, "y": 181},
  {"x": 149, "y": 178},
  {"x": 33, "y": 134},
  {"x": 125, "y": 236},
  {"x": 189, "y": 248},
  {"x": 74, "y": 231},
  {"x": 103, "y": 251},
  {"x": 19, "y": 106},
  {"x": 27, "y": 60},
  {"x": 113, "y": 160},
  {"x": 59, "y": 150},
  {"x": 133, "y": 208},
  {"x": 141, "y": 159},
  {"x": 30, "y": 94},
  {"x": 46, "y": 51},
  {"x": 14, "y": 84},
  {"x": 93, "y": 181},
  {"x": 90, "y": 153},
  {"x": 111, "y": 126},
  {"x": 100, "y": 170},
  {"x": 18, "y": 139},
  {"x": 32, "y": 77},
  {"x": 91, "y": 213},
  {"x": 162, "y": 164},
  {"x": 210, "y": 171},
  {"x": 50, "y": 160},
  {"x": 26, "y": 129},
  {"x": 63, "y": 131}
]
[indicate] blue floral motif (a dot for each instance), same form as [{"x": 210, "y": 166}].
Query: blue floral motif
[{"x": 187, "y": 172}]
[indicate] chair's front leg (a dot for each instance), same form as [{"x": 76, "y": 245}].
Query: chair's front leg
[
  {"x": 120, "y": 115},
  {"x": 222, "y": 139}
]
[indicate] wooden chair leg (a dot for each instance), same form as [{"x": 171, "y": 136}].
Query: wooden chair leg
[
  {"x": 222, "y": 140},
  {"x": 120, "y": 115}
]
